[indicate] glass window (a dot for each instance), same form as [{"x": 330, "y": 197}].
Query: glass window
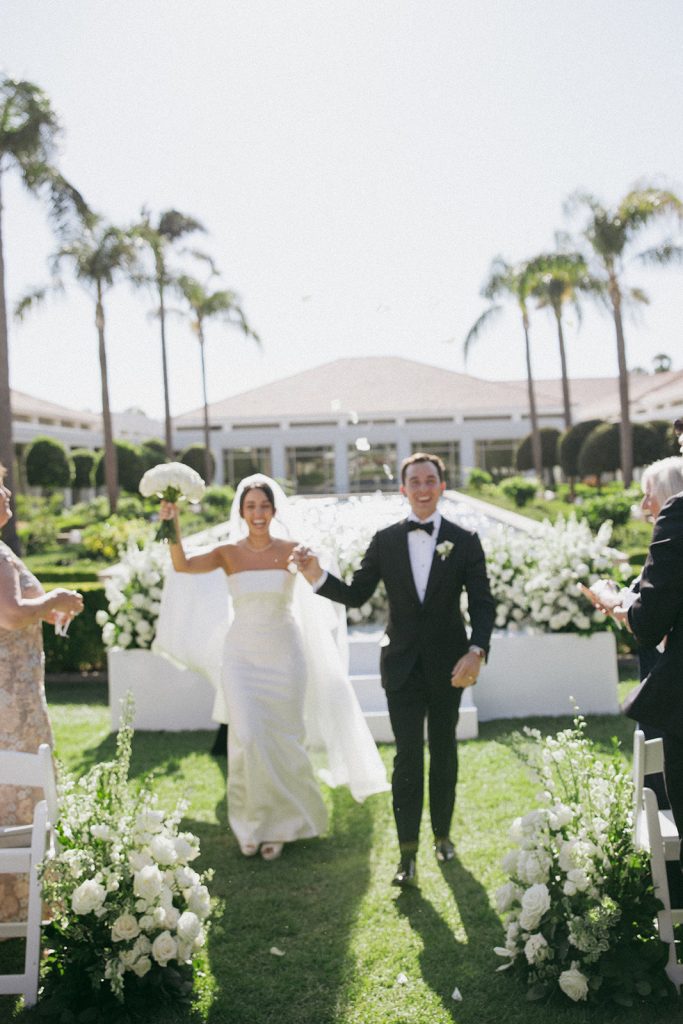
[
  {"x": 449, "y": 452},
  {"x": 241, "y": 462},
  {"x": 497, "y": 457},
  {"x": 311, "y": 469},
  {"x": 373, "y": 470}
]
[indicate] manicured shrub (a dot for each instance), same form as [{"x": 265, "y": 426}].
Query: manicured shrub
[
  {"x": 48, "y": 464},
  {"x": 84, "y": 462},
  {"x": 524, "y": 459},
  {"x": 600, "y": 451},
  {"x": 519, "y": 489},
  {"x": 569, "y": 446},
  {"x": 478, "y": 478},
  {"x": 130, "y": 465},
  {"x": 664, "y": 429},
  {"x": 81, "y": 649},
  {"x": 616, "y": 507},
  {"x": 153, "y": 452},
  {"x": 193, "y": 456}
]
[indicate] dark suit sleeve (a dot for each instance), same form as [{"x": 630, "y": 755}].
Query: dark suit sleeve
[
  {"x": 480, "y": 602},
  {"x": 362, "y": 586},
  {"x": 658, "y": 605}
]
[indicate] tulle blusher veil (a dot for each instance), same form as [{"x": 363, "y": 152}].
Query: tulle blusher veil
[{"x": 196, "y": 612}]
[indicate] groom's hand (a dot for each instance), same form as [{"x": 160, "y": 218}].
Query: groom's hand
[
  {"x": 466, "y": 670},
  {"x": 306, "y": 562}
]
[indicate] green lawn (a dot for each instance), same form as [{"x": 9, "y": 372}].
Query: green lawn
[{"x": 327, "y": 904}]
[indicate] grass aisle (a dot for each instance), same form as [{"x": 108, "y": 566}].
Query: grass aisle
[{"x": 346, "y": 935}]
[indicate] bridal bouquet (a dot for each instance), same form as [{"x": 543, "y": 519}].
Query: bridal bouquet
[
  {"x": 579, "y": 908},
  {"x": 128, "y": 910},
  {"x": 171, "y": 481}
]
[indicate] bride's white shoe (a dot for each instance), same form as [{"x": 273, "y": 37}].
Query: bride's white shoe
[
  {"x": 249, "y": 849},
  {"x": 271, "y": 851}
]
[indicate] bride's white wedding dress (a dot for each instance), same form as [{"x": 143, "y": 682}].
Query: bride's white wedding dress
[{"x": 272, "y": 791}]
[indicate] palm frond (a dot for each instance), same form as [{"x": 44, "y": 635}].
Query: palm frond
[
  {"x": 480, "y": 324},
  {"x": 36, "y": 297},
  {"x": 662, "y": 255}
]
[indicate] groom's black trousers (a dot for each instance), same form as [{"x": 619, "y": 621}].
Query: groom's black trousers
[{"x": 408, "y": 707}]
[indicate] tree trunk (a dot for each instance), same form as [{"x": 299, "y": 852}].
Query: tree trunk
[
  {"x": 164, "y": 370},
  {"x": 536, "y": 452},
  {"x": 6, "y": 442},
  {"x": 110, "y": 466},
  {"x": 626, "y": 431},
  {"x": 563, "y": 366},
  {"x": 207, "y": 450}
]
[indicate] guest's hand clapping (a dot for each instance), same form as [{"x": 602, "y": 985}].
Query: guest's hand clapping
[{"x": 306, "y": 562}]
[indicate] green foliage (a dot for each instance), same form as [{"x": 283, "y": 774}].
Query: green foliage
[
  {"x": 84, "y": 463},
  {"x": 478, "y": 479},
  {"x": 549, "y": 440},
  {"x": 48, "y": 464},
  {"x": 104, "y": 540},
  {"x": 519, "y": 489},
  {"x": 570, "y": 443},
  {"x": 153, "y": 452},
  {"x": 596, "y": 510},
  {"x": 664, "y": 430},
  {"x": 81, "y": 649},
  {"x": 216, "y": 503},
  {"x": 193, "y": 456},
  {"x": 130, "y": 466},
  {"x": 130, "y": 506},
  {"x": 600, "y": 452},
  {"x": 38, "y": 533}
]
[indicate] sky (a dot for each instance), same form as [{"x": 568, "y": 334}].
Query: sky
[{"x": 357, "y": 165}]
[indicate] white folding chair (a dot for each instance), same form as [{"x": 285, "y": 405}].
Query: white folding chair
[
  {"x": 22, "y": 848},
  {"x": 654, "y": 830}
]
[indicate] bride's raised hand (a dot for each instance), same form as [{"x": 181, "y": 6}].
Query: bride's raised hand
[
  {"x": 168, "y": 510},
  {"x": 306, "y": 562}
]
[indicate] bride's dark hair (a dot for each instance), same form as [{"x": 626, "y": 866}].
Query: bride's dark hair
[{"x": 267, "y": 490}]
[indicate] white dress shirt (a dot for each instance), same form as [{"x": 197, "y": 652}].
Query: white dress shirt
[{"x": 421, "y": 547}]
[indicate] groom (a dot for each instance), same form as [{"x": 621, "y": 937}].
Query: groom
[{"x": 426, "y": 659}]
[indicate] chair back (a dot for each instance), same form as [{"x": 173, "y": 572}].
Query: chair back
[{"x": 21, "y": 769}]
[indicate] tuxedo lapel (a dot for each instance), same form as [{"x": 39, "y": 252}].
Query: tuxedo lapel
[
  {"x": 403, "y": 563},
  {"x": 438, "y": 568}
]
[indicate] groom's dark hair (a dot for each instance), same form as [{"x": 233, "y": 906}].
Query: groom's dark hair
[
  {"x": 267, "y": 490},
  {"x": 423, "y": 457}
]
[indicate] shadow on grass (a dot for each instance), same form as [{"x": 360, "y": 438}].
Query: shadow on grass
[
  {"x": 600, "y": 728},
  {"x": 446, "y": 961}
]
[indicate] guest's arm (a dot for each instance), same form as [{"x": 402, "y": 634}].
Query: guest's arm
[
  {"x": 18, "y": 611},
  {"x": 658, "y": 604}
]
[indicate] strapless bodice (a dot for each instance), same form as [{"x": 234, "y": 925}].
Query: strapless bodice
[{"x": 261, "y": 592}]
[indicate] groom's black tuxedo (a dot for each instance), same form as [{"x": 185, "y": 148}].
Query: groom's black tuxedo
[{"x": 424, "y": 640}]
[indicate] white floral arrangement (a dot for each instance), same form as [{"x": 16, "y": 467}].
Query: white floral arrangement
[
  {"x": 579, "y": 909},
  {"x": 133, "y": 593},
  {"x": 125, "y": 902},
  {"x": 171, "y": 481},
  {"x": 534, "y": 576}
]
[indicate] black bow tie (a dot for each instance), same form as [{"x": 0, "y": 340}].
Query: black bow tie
[{"x": 414, "y": 525}]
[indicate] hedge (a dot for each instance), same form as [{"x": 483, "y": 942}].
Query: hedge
[{"x": 82, "y": 648}]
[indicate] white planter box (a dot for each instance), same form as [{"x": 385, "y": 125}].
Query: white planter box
[
  {"x": 166, "y": 697},
  {"x": 540, "y": 674}
]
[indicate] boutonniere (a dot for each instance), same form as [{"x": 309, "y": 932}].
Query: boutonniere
[{"x": 444, "y": 549}]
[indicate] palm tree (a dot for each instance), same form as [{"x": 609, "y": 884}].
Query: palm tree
[
  {"x": 558, "y": 278},
  {"x": 170, "y": 227},
  {"x": 610, "y": 234},
  {"x": 516, "y": 283},
  {"x": 206, "y": 305},
  {"x": 98, "y": 254},
  {"x": 28, "y": 132}
]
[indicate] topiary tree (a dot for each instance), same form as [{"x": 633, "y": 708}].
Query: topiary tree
[
  {"x": 153, "y": 452},
  {"x": 664, "y": 429},
  {"x": 84, "y": 461},
  {"x": 549, "y": 439},
  {"x": 48, "y": 464},
  {"x": 601, "y": 451},
  {"x": 569, "y": 446},
  {"x": 519, "y": 489},
  {"x": 478, "y": 478},
  {"x": 130, "y": 466},
  {"x": 195, "y": 456}
]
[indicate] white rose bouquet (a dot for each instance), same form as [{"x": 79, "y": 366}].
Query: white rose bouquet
[
  {"x": 579, "y": 908},
  {"x": 171, "y": 481},
  {"x": 133, "y": 594},
  {"x": 128, "y": 910}
]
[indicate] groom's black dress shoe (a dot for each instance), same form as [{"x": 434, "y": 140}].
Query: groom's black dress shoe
[
  {"x": 444, "y": 850},
  {"x": 406, "y": 874}
]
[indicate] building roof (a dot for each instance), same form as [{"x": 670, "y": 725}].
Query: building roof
[
  {"x": 28, "y": 405},
  {"x": 375, "y": 385}
]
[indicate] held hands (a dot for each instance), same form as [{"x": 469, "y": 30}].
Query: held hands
[
  {"x": 306, "y": 562},
  {"x": 466, "y": 670}
]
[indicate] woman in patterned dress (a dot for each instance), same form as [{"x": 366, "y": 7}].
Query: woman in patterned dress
[{"x": 24, "y": 722}]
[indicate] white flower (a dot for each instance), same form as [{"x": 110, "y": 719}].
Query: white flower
[
  {"x": 101, "y": 617},
  {"x": 162, "y": 848},
  {"x": 573, "y": 983},
  {"x": 533, "y": 866},
  {"x": 536, "y": 948},
  {"x": 199, "y": 901},
  {"x": 88, "y": 897},
  {"x": 164, "y": 948},
  {"x": 147, "y": 882},
  {"x": 142, "y": 966},
  {"x": 185, "y": 878},
  {"x": 149, "y": 821},
  {"x": 138, "y": 860},
  {"x": 124, "y": 928},
  {"x": 444, "y": 549},
  {"x": 101, "y": 832},
  {"x": 189, "y": 926},
  {"x": 535, "y": 902},
  {"x": 186, "y": 847},
  {"x": 506, "y": 895},
  {"x": 172, "y": 475}
]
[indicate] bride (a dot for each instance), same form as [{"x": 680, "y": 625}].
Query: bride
[{"x": 281, "y": 674}]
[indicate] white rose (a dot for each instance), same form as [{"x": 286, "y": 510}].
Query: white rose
[
  {"x": 536, "y": 948},
  {"x": 535, "y": 902},
  {"x": 101, "y": 617},
  {"x": 573, "y": 983},
  {"x": 164, "y": 948},
  {"x": 88, "y": 897},
  {"x": 147, "y": 923},
  {"x": 506, "y": 895},
  {"x": 185, "y": 877},
  {"x": 559, "y": 816},
  {"x": 189, "y": 926},
  {"x": 199, "y": 901},
  {"x": 138, "y": 860},
  {"x": 147, "y": 882},
  {"x": 108, "y": 634},
  {"x": 142, "y": 966},
  {"x": 149, "y": 821},
  {"x": 163, "y": 850},
  {"x": 186, "y": 847},
  {"x": 124, "y": 639},
  {"x": 100, "y": 832},
  {"x": 125, "y": 928}
]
